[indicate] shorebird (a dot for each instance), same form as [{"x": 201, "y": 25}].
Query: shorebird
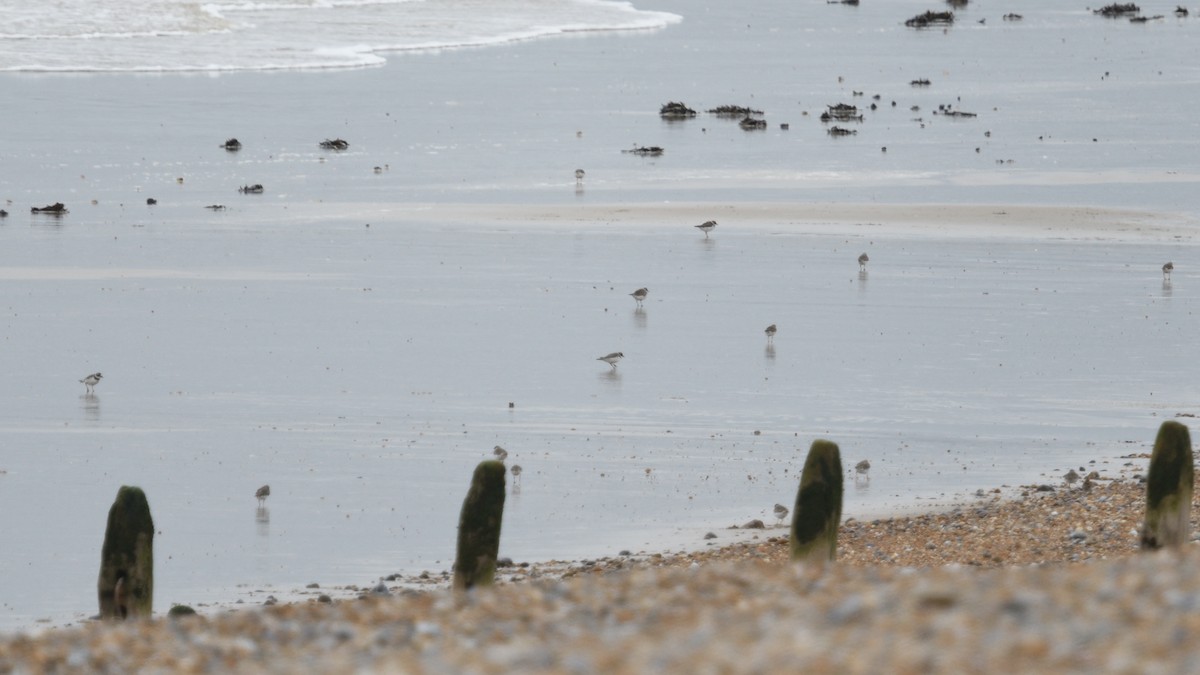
[
  {"x": 640, "y": 295},
  {"x": 862, "y": 262},
  {"x": 1167, "y": 269},
  {"x": 612, "y": 359},
  {"x": 500, "y": 453},
  {"x": 579, "y": 174},
  {"x": 91, "y": 381},
  {"x": 262, "y": 493},
  {"x": 1070, "y": 477},
  {"x": 706, "y": 227},
  {"x": 862, "y": 467},
  {"x": 781, "y": 512},
  {"x": 770, "y": 331},
  {"x": 516, "y": 472}
]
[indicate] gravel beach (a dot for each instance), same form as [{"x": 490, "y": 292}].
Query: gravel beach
[{"x": 1048, "y": 581}]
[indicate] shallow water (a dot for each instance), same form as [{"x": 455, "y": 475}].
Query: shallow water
[{"x": 364, "y": 371}]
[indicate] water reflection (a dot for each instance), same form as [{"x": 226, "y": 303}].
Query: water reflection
[
  {"x": 639, "y": 318},
  {"x": 262, "y": 520},
  {"x": 91, "y": 407},
  {"x": 1166, "y": 287},
  {"x": 611, "y": 377},
  {"x": 769, "y": 352},
  {"x": 862, "y": 280}
]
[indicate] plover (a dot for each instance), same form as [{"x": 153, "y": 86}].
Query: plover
[
  {"x": 262, "y": 493},
  {"x": 1167, "y": 269},
  {"x": 770, "y": 331},
  {"x": 781, "y": 512},
  {"x": 1070, "y": 477},
  {"x": 862, "y": 467},
  {"x": 862, "y": 262},
  {"x": 91, "y": 381},
  {"x": 500, "y": 453},
  {"x": 612, "y": 359},
  {"x": 706, "y": 227},
  {"x": 516, "y": 472},
  {"x": 640, "y": 295},
  {"x": 579, "y": 174}
]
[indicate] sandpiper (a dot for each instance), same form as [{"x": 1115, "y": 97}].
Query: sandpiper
[
  {"x": 706, "y": 227},
  {"x": 862, "y": 467},
  {"x": 91, "y": 381},
  {"x": 781, "y": 512},
  {"x": 516, "y": 472},
  {"x": 612, "y": 359},
  {"x": 579, "y": 174},
  {"x": 500, "y": 453},
  {"x": 640, "y": 295},
  {"x": 770, "y": 331},
  {"x": 1070, "y": 477},
  {"x": 1167, "y": 269},
  {"x": 862, "y": 262},
  {"x": 262, "y": 493}
]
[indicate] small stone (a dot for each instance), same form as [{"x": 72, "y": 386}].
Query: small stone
[
  {"x": 755, "y": 524},
  {"x": 710, "y": 535}
]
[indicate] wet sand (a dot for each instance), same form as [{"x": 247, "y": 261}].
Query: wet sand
[{"x": 1049, "y": 581}]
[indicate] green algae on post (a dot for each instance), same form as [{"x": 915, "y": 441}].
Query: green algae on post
[
  {"x": 126, "y": 584},
  {"x": 1169, "y": 484},
  {"x": 818, "y": 511},
  {"x": 479, "y": 527}
]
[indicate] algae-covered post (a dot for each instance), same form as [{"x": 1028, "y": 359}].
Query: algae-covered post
[
  {"x": 479, "y": 527},
  {"x": 818, "y": 511},
  {"x": 126, "y": 584},
  {"x": 1169, "y": 488}
]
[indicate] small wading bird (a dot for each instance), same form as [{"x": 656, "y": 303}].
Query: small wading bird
[
  {"x": 262, "y": 493},
  {"x": 706, "y": 227},
  {"x": 500, "y": 453},
  {"x": 862, "y": 467},
  {"x": 91, "y": 381},
  {"x": 579, "y": 174},
  {"x": 640, "y": 295},
  {"x": 516, "y": 472},
  {"x": 770, "y": 331},
  {"x": 612, "y": 359},
  {"x": 1070, "y": 477},
  {"x": 1167, "y": 269},
  {"x": 862, "y": 262},
  {"x": 781, "y": 512}
]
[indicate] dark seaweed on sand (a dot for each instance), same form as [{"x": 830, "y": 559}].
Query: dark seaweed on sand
[{"x": 930, "y": 18}]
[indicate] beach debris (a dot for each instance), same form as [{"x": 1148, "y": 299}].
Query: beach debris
[
  {"x": 853, "y": 3},
  {"x": 818, "y": 510},
  {"x": 675, "y": 110},
  {"x": 1117, "y": 9},
  {"x": 1169, "y": 485},
  {"x": 180, "y": 611},
  {"x": 479, "y": 527},
  {"x": 1013, "y": 17},
  {"x": 1180, "y": 10},
  {"x": 755, "y": 524},
  {"x": 151, "y": 201},
  {"x": 1144, "y": 19},
  {"x": 841, "y": 112},
  {"x": 3, "y": 213},
  {"x": 949, "y": 111},
  {"x": 651, "y": 151},
  {"x": 232, "y": 145},
  {"x": 126, "y": 583},
  {"x": 334, "y": 144},
  {"x": 957, "y": 4},
  {"x": 256, "y": 189},
  {"x": 922, "y": 82},
  {"x": 839, "y": 131},
  {"x": 55, "y": 209},
  {"x": 931, "y": 18},
  {"x": 215, "y": 207},
  {"x": 751, "y": 124},
  {"x": 733, "y": 111}
]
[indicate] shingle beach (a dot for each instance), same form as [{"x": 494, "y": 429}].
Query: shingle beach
[{"x": 1050, "y": 581}]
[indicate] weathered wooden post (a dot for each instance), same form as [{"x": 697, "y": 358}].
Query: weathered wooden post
[
  {"x": 479, "y": 527},
  {"x": 1169, "y": 488},
  {"x": 126, "y": 585},
  {"x": 818, "y": 511}
]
